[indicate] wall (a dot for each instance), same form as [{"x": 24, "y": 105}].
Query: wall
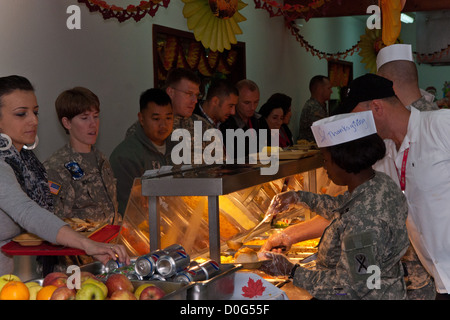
[{"x": 115, "y": 59}]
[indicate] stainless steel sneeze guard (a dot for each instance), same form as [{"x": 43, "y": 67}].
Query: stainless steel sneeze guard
[{"x": 213, "y": 181}]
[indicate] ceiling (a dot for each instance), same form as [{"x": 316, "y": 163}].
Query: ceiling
[{"x": 339, "y": 8}]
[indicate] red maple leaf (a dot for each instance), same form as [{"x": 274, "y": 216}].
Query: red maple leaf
[{"x": 253, "y": 288}]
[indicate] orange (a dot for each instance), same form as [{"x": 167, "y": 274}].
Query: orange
[
  {"x": 15, "y": 290},
  {"x": 46, "y": 292}
]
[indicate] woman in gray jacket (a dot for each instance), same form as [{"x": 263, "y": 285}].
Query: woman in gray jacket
[{"x": 25, "y": 199}]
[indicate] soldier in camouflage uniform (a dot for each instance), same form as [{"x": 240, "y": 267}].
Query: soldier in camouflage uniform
[
  {"x": 315, "y": 108},
  {"x": 360, "y": 250},
  {"x": 91, "y": 196},
  {"x": 80, "y": 177}
]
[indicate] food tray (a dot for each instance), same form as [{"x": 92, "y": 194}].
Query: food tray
[
  {"x": 105, "y": 234},
  {"x": 220, "y": 287}
]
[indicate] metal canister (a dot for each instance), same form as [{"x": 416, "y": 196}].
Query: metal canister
[
  {"x": 145, "y": 265},
  {"x": 158, "y": 277},
  {"x": 173, "y": 247},
  {"x": 172, "y": 263},
  {"x": 193, "y": 274},
  {"x": 210, "y": 267},
  {"x": 112, "y": 265}
]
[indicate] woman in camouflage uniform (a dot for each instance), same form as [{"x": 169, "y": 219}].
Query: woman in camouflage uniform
[
  {"x": 360, "y": 250},
  {"x": 80, "y": 176}
]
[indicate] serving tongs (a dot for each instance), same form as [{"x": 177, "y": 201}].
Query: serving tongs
[
  {"x": 236, "y": 245},
  {"x": 270, "y": 214}
]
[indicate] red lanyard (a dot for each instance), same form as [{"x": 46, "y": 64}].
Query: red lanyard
[{"x": 403, "y": 170}]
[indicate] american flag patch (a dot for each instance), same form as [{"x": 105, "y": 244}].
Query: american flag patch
[{"x": 54, "y": 187}]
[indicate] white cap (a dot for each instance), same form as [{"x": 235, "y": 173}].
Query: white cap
[
  {"x": 343, "y": 128},
  {"x": 394, "y": 52}
]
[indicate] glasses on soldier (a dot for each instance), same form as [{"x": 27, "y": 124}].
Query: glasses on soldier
[{"x": 191, "y": 95}]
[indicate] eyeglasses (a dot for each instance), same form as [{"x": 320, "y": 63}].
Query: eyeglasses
[{"x": 191, "y": 95}]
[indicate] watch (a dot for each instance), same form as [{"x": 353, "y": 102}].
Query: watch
[{"x": 292, "y": 274}]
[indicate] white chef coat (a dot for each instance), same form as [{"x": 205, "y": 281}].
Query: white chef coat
[{"x": 427, "y": 189}]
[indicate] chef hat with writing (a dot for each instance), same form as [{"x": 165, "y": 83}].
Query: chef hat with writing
[
  {"x": 343, "y": 128},
  {"x": 394, "y": 52}
]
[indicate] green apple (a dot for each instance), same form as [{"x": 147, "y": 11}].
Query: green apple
[
  {"x": 98, "y": 283},
  {"x": 4, "y": 279},
  {"x": 33, "y": 289},
  {"x": 90, "y": 291},
  {"x": 139, "y": 289}
]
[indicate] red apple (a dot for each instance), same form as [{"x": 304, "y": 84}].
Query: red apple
[
  {"x": 152, "y": 293},
  {"x": 63, "y": 293},
  {"x": 118, "y": 281},
  {"x": 122, "y": 295},
  {"x": 52, "y": 276},
  {"x": 59, "y": 282}
]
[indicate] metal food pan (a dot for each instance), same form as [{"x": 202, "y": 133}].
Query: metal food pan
[{"x": 220, "y": 287}]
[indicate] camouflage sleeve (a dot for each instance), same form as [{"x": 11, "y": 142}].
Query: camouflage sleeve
[
  {"x": 321, "y": 204},
  {"x": 63, "y": 195}
]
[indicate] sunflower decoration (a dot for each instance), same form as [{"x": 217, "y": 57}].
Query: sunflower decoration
[
  {"x": 370, "y": 44},
  {"x": 214, "y": 22}
]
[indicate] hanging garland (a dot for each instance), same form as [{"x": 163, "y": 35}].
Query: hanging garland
[
  {"x": 430, "y": 57},
  {"x": 320, "y": 54},
  {"x": 290, "y": 12},
  {"x": 137, "y": 12}
]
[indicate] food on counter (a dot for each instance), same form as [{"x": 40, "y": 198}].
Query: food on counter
[
  {"x": 312, "y": 243},
  {"x": 119, "y": 288},
  {"x": 81, "y": 225},
  {"x": 152, "y": 293},
  {"x": 4, "y": 279},
  {"x": 54, "y": 277},
  {"x": 122, "y": 295},
  {"x": 28, "y": 239},
  {"x": 46, "y": 292},
  {"x": 33, "y": 288},
  {"x": 118, "y": 281},
  {"x": 14, "y": 290},
  {"x": 90, "y": 291},
  {"x": 245, "y": 255},
  {"x": 63, "y": 293}
]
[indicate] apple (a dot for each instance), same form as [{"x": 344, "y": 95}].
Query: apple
[
  {"x": 122, "y": 295},
  {"x": 59, "y": 282},
  {"x": 84, "y": 275},
  {"x": 97, "y": 283},
  {"x": 152, "y": 293},
  {"x": 4, "y": 279},
  {"x": 90, "y": 291},
  {"x": 52, "y": 276},
  {"x": 118, "y": 281},
  {"x": 33, "y": 288},
  {"x": 139, "y": 289},
  {"x": 63, "y": 293}
]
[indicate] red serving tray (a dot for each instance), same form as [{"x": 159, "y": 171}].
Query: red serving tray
[{"x": 105, "y": 234}]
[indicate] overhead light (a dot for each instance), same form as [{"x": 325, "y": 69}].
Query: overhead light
[{"x": 406, "y": 19}]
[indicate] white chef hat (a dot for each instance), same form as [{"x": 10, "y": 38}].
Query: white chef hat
[
  {"x": 343, "y": 128},
  {"x": 394, "y": 52}
]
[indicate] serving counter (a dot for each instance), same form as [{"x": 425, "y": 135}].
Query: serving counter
[{"x": 203, "y": 207}]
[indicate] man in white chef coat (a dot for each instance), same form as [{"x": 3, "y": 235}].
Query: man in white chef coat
[{"x": 419, "y": 149}]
